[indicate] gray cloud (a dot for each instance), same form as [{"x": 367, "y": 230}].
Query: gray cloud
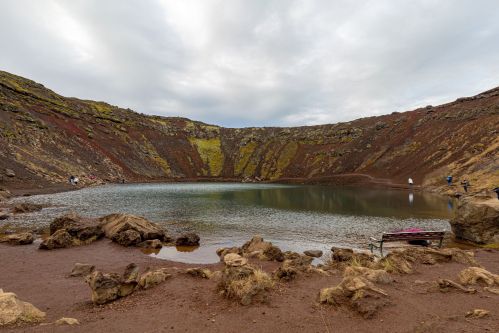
[{"x": 255, "y": 63}]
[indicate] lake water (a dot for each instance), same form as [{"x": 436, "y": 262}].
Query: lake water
[{"x": 294, "y": 217}]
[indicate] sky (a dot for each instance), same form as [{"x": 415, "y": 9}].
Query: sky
[{"x": 247, "y": 63}]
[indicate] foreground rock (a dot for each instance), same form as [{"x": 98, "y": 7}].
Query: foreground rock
[
  {"x": 293, "y": 264},
  {"x": 474, "y": 275},
  {"x": 107, "y": 287},
  {"x": 234, "y": 260},
  {"x": 358, "y": 293},
  {"x": 313, "y": 253},
  {"x": 402, "y": 260},
  {"x": 188, "y": 239},
  {"x": 262, "y": 249},
  {"x": 15, "y": 311},
  {"x": 204, "y": 273},
  {"x": 23, "y": 238},
  {"x": 245, "y": 283},
  {"x": 67, "y": 321},
  {"x": 4, "y": 194},
  {"x": 153, "y": 278},
  {"x": 130, "y": 230},
  {"x": 81, "y": 228},
  {"x": 26, "y": 208},
  {"x": 81, "y": 269},
  {"x": 255, "y": 248},
  {"x": 477, "y": 222},
  {"x": 60, "y": 239}
]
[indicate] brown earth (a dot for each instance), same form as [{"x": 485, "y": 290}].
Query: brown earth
[
  {"x": 188, "y": 304},
  {"x": 45, "y": 137}
]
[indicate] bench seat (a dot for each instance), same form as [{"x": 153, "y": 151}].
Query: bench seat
[{"x": 405, "y": 236}]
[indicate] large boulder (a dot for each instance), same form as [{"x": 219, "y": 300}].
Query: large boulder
[
  {"x": 188, "y": 239},
  {"x": 14, "y": 311},
  {"x": 60, "y": 239},
  {"x": 78, "y": 227},
  {"x": 119, "y": 227},
  {"x": 26, "y": 208},
  {"x": 23, "y": 238},
  {"x": 477, "y": 222}
]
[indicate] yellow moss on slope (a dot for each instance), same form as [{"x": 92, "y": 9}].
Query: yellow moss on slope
[
  {"x": 153, "y": 153},
  {"x": 210, "y": 152},
  {"x": 241, "y": 165}
]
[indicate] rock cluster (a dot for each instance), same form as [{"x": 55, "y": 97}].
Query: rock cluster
[
  {"x": 254, "y": 248},
  {"x": 124, "y": 229},
  {"x": 130, "y": 230},
  {"x": 107, "y": 287}
]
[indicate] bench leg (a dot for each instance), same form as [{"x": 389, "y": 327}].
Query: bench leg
[
  {"x": 381, "y": 248},
  {"x": 441, "y": 241}
]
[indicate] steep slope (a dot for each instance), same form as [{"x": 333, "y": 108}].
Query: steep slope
[{"x": 45, "y": 137}]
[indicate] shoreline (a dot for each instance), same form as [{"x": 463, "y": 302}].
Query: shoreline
[
  {"x": 42, "y": 278},
  {"x": 346, "y": 180}
]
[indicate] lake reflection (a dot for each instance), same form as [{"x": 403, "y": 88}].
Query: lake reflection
[{"x": 226, "y": 214}]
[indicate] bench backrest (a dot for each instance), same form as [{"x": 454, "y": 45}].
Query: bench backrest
[{"x": 400, "y": 236}]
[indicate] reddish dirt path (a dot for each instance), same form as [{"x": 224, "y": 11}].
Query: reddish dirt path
[{"x": 187, "y": 304}]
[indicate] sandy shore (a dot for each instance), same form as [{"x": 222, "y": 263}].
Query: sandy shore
[{"x": 187, "y": 304}]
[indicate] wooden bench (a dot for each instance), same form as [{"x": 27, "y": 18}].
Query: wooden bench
[{"x": 405, "y": 236}]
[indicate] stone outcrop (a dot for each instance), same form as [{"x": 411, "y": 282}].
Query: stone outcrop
[
  {"x": 126, "y": 229},
  {"x": 15, "y": 311},
  {"x": 188, "y": 239},
  {"x": 78, "y": 227},
  {"x": 60, "y": 239},
  {"x": 477, "y": 221},
  {"x": 23, "y": 238}
]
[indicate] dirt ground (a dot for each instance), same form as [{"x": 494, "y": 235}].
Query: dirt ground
[{"x": 187, "y": 304}]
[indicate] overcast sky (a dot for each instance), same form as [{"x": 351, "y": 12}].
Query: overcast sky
[{"x": 255, "y": 62}]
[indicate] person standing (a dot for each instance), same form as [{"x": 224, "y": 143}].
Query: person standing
[
  {"x": 411, "y": 182},
  {"x": 465, "y": 184},
  {"x": 449, "y": 180}
]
